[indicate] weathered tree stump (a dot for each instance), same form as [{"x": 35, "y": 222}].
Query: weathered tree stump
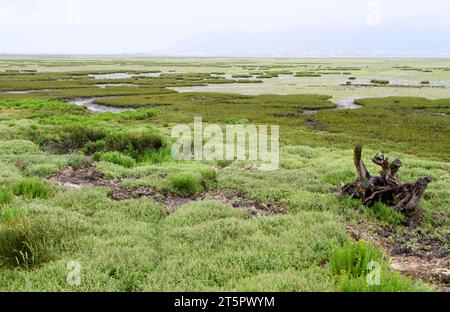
[{"x": 386, "y": 187}]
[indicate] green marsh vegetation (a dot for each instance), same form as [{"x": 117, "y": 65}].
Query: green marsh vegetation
[
  {"x": 350, "y": 264},
  {"x": 307, "y": 74},
  {"x": 380, "y": 81},
  {"x": 196, "y": 228},
  {"x": 421, "y": 126}
]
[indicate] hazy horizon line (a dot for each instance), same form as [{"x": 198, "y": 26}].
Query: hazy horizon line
[{"x": 139, "y": 54}]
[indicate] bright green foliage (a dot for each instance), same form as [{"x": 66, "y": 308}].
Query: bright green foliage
[
  {"x": 208, "y": 178},
  {"x": 18, "y": 147},
  {"x": 189, "y": 184},
  {"x": 26, "y": 242},
  {"x": 6, "y": 196},
  {"x": 157, "y": 156},
  {"x": 77, "y": 161},
  {"x": 411, "y": 121},
  {"x": 158, "y": 243},
  {"x": 94, "y": 146},
  {"x": 184, "y": 185},
  {"x": 353, "y": 257},
  {"x": 389, "y": 282},
  {"x": 358, "y": 266},
  {"x": 385, "y": 214},
  {"x": 116, "y": 158},
  {"x": 32, "y": 188},
  {"x": 43, "y": 170}
]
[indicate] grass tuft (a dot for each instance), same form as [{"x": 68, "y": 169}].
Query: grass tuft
[
  {"x": 184, "y": 185},
  {"x": 26, "y": 242},
  {"x": 6, "y": 196},
  {"x": 352, "y": 258},
  {"x": 384, "y": 214},
  {"x": 32, "y": 188},
  {"x": 116, "y": 158}
]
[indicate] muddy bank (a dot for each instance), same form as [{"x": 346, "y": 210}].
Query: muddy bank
[
  {"x": 111, "y": 76},
  {"x": 97, "y": 108},
  {"x": 19, "y": 92},
  {"x": 347, "y": 102},
  {"x": 85, "y": 176},
  {"x": 89, "y": 176},
  {"x": 123, "y": 75},
  {"x": 343, "y": 103},
  {"x": 171, "y": 203},
  {"x": 112, "y": 85},
  {"x": 412, "y": 253}
]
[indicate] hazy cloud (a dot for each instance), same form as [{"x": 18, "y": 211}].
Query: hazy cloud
[{"x": 198, "y": 26}]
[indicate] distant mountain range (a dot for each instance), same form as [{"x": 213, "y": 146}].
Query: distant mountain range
[{"x": 383, "y": 40}]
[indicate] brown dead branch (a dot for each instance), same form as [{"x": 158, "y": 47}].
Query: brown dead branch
[{"x": 386, "y": 187}]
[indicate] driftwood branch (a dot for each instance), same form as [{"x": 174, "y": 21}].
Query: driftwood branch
[
  {"x": 363, "y": 173},
  {"x": 386, "y": 187}
]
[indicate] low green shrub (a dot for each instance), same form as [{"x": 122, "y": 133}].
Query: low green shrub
[
  {"x": 9, "y": 173},
  {"x": 307, "y": 74},
  {"x": 138, "y": 114},
  {"x": 91, "y": 139},
  {"x": 425, "y": 82},
  {"x": 11, "y": 214},
  {"x": 184, "y": 185},
  {"x": 134, "y": 143},
  {"x": 380, "y": 81},
  {"x": 94, "y": 146},
  {"x": 389, "y": 282},
  {"x": 18, "y": 147},
  {"x": 116, "y": 158},
  {"x": 77, "y": 161},
  {"x": 37, "y": 104},
  {"x": 248, "y": 81},
  {"x": 339, "y": 177},
  {"x": 6, "y": 196},
  {"x": 76, "y": 135},
  {"x": 32, "y": 188},
  {"x": 157, "y": 156},
  {"x": 43, "y": 170},
  {"x": 26, "y": 242},
  {"x": 208, "y": 178},
  {"x": 351, "y": 266},
  {"x": 352, "y": 258},
  {"x": 384, "y": 213}
]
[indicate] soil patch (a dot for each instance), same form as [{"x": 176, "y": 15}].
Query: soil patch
[
  {"x": 239, "y": 200},
  {"x": 413, "y": 253},
  {"x": 171, "y": 202},
  {"x": 88, "y": 176},
  {"x": 76, "y": 178}
]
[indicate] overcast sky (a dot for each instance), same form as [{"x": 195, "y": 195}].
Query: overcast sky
[{"x": 226, "y": 27}]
